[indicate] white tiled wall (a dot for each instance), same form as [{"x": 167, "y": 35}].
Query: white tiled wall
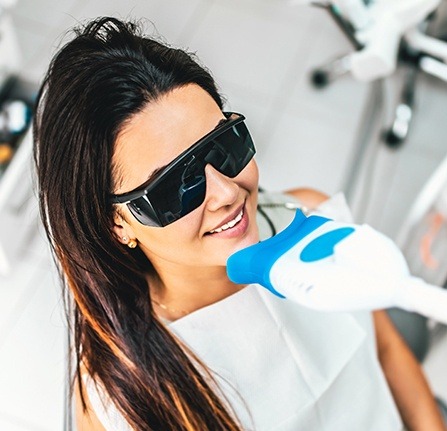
[{"x": 261, "y": 53}]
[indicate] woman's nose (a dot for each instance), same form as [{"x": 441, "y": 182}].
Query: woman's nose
[{"x": 220, "y": 190}]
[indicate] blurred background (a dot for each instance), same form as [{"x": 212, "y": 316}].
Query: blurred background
[{"x": 273, "y": 61}]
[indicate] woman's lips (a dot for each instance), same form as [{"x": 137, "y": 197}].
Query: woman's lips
[
  {"x": 233, "y": 228},
  {"x": 229, "y": 224}
]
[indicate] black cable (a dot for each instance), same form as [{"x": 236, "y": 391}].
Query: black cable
[
  {"x": 285, "y": 205},
  {"x": 268, "y": 220}
]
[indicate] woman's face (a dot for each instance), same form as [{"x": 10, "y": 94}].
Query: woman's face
[{"x": 152, "y": 139}]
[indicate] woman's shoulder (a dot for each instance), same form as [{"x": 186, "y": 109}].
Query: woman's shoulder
[
  {"x": 86, "y": 418},
  {"x": 310, "y": 198},
  {"x": 335, "y": 207},
  {"x": 98, "y": 412}
]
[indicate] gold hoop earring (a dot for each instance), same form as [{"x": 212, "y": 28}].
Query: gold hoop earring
[{"x": 132, "y": 243}]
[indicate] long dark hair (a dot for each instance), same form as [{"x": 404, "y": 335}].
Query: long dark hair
[{"x": 97, "y": 82}]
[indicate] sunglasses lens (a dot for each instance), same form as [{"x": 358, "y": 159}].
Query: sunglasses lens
[
  {"x": 180, "y": 192},
  {"x": 142, "y": 210},
  {"x": 231, "y": 151}
]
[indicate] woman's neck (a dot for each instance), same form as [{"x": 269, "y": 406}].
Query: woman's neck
[{"x": 175, "y": 293}]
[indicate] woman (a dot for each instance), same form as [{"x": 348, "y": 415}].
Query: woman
[{"x": 146, "y": 187}]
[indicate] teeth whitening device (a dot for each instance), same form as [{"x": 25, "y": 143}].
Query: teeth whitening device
[{"x": 331, "y": 266}]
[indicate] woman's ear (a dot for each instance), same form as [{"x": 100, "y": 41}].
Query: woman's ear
[{"x": 122, "y": 229}]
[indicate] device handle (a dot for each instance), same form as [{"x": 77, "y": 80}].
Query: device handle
[{"x": 423, "y": 298}]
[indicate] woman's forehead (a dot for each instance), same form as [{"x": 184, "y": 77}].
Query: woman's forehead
[{"x": 160, "y": 132}]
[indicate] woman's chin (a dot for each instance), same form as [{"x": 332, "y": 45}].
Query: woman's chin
[{"x": 248, "y": 240}]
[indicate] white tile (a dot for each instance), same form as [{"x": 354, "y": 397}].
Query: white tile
[
  {"x": 243, "y": 45},
  {"x": 168, "y": 16},
  {"x": 255, "y": 106},
  {"x": 40, "y": 42},
  {"x": 403, "y": 181},
  {"x": 38, "y": 47},
  {"x": 317, "y": 134},
  {"x": 16, "y": 291},
  {"x": 173, "y": 29},
  {"x": 43, "y": 13},
  {"x": 38, "y": 247},
  {"x": 13, "y": 424},
  {"x": 32, "y": 368},
  {"x": 18, "y": 239},
  {"x": 279, "y": 11},
  {"x": 303, "y": 153},
  {"x": 29, "y": 41},
  {"x": 342, "y": 99}
]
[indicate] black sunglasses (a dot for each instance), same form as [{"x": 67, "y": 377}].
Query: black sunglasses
[{"x": 181, "y": 186}]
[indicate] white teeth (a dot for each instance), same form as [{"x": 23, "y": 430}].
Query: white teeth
[{"x": 230, "y": 224}]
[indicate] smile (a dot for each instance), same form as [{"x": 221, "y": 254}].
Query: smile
[{"x": 229, "y": 224}]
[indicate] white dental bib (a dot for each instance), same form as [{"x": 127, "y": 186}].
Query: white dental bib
[{"x": 292, "y": 368}]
